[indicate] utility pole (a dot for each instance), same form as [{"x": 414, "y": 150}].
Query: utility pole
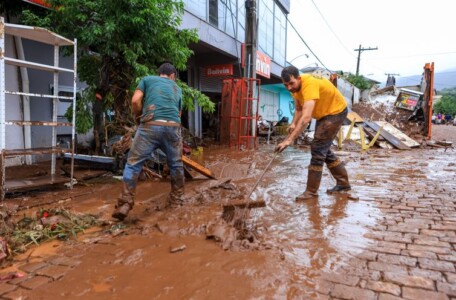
[
  {"x": 359, "y": 56},
  {"x": 250, "y": 39},
  {"x": 391, "y": 80}
]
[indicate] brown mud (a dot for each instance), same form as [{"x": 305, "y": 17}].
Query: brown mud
[{"x": 190, "y": 253}]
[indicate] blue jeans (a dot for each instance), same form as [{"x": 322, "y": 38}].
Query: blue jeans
[{"x": 147, "y": 139}]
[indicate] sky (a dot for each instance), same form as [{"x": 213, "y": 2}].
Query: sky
[{"x": 407, "y": 33}]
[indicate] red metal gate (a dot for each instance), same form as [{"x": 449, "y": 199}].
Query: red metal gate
[{"x": 239, "y": 112}]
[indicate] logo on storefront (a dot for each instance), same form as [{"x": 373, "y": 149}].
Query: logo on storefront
[
  {"x": 218, "y": 70},
  {"x": 263, "y": 63}
]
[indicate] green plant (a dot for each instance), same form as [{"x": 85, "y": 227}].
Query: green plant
[
  {"x": 118, "y": 42},
  {"x": 358, "y": 81},
  {"x": 447, "y": 104}
]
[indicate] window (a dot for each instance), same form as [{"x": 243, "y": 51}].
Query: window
[
  {"x": 241, "y": 21},
  {"x": 197, "y": 7},
  {"x": 266, "y": 27},
  {"x": 222, "y": 14},
  {"x": 280, "y": 31},
  {"x": 213, "y": 12}
]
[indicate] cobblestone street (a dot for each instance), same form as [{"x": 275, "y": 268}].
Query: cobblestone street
[{"x": 392, "y": 237}]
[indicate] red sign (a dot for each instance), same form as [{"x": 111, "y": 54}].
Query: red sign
[
  {"x": 219, "y": 70},
  {"x": 42, "y": 3},
  {"x": 263, "y": 63}
]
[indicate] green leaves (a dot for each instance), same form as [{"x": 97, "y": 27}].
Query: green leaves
[
  {"x": 359, "y": 81},
  {"x": 190, "y": 95},
  {"x": 84, "y": 120},
  {"x": 119, "y": 41},
  {"x": 447, "y": 104}
]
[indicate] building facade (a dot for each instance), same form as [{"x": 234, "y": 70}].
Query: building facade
[{"x": 219, "y": 52}]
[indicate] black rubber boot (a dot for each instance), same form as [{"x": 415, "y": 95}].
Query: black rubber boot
[
  {"x": 339, "y": 172},
  {"x": 313, "y": 183},
  {"x": 125, "y": 203}
]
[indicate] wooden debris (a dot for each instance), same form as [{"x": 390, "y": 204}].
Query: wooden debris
[
  {"x": 197, "y": 167},
  {"x": 388, "y": 136},
  {"x": 398, "y": 134}
]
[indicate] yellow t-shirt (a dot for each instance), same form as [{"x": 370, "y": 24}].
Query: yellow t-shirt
[{"x": 328, "y": 99}]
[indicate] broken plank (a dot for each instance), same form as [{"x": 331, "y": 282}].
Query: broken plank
[
  {"x": 197, "y": 167},
  {"x": 380, "y": 140},
  {"x": 398, "y": 134},
  {"x": 397, "y": 143},
  {"x": 244, "y": 204},
  {"x": 354, "y": 117}
]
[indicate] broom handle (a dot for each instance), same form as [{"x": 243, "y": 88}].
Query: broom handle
[{"x": 264, "y": 172}]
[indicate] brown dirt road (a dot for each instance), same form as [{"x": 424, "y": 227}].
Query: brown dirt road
[{"x": 392, "y": 237}]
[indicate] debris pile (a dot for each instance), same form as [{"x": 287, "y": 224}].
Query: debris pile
[
  {"x": 383, "y": 107},
  {"x": 47, "y": 224}
]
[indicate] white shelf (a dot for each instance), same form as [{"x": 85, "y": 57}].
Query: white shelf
[
  {"x": 28, "y": 64},
  {"x": 43, "y": 36}
]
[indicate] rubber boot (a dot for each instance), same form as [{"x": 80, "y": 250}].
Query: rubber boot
[
  {"x": 176, "y": 196},
  {"x": 125, "y": 203},
  {"x": 339, "y": 172},
  {"x": 313, "y": 183}
]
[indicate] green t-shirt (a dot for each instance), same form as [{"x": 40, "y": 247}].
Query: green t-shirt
[{"x": 162, "y": 99}]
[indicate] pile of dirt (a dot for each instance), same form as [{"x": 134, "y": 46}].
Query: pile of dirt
[{"x": 397, "y": 117}]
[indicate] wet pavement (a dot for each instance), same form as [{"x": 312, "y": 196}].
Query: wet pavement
[{"x": 392, "y": 237}]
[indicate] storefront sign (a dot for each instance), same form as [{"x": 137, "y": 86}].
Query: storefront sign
[
  {"x": 219, "y": 70},
  {"x": 407, "y": 99},
  {"x": 42, "y": 3},
  {"x": 263, "y": 63}
]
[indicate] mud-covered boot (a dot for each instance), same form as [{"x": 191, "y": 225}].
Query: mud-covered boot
[
  {"x": 313, "y": 183},
  {"x": 125, "y": 203},
  {"x": 339, "y": 172},
  {"x": 176, "y": 196}
]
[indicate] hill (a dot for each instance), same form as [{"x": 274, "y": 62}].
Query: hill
[{"x": 442, "y": 80}]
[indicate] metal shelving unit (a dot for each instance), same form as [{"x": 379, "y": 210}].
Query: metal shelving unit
[{"x": 44, "y": 36}]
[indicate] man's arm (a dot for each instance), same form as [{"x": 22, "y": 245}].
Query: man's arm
[
  {"x": 301, "y": 123},
  {"x": 304, "y": 119},
  {"x": 137, "y": 104},
  {"x": 297, "y": 115}
]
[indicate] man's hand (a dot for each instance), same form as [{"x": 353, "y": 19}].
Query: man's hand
[
  {"x": 291, "y": 128},
  {"x": 282, "y": 146}
]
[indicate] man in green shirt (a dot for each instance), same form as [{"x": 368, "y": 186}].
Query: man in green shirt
[{"x": 156, "y": 105}]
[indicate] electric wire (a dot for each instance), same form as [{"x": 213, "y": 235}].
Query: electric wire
[
  {"x": 333, "y": 32},
  {"x": 308, "y": 47}
]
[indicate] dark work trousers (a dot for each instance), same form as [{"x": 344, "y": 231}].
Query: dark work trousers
[{"x": 325, "y": 132}]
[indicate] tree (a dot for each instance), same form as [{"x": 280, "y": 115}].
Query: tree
[
  {"x": 118, "y": 43},
  {"x": 447, "y": 104},
  {"x": 358, "y": 81}
]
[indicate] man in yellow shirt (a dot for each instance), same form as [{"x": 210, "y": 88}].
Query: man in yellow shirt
[{"x": 316, "y": 97}]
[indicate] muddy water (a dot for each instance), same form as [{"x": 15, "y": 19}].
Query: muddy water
[{"x": 297, "y": 242}]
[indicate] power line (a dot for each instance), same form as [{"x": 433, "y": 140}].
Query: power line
[
  {"x": 292, "y": 26},
  {"x": 330, "y": 28},
  {"x": 416, "y": 55}
]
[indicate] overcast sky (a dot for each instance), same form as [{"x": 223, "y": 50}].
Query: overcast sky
[{"x": 408, "y": 34}]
